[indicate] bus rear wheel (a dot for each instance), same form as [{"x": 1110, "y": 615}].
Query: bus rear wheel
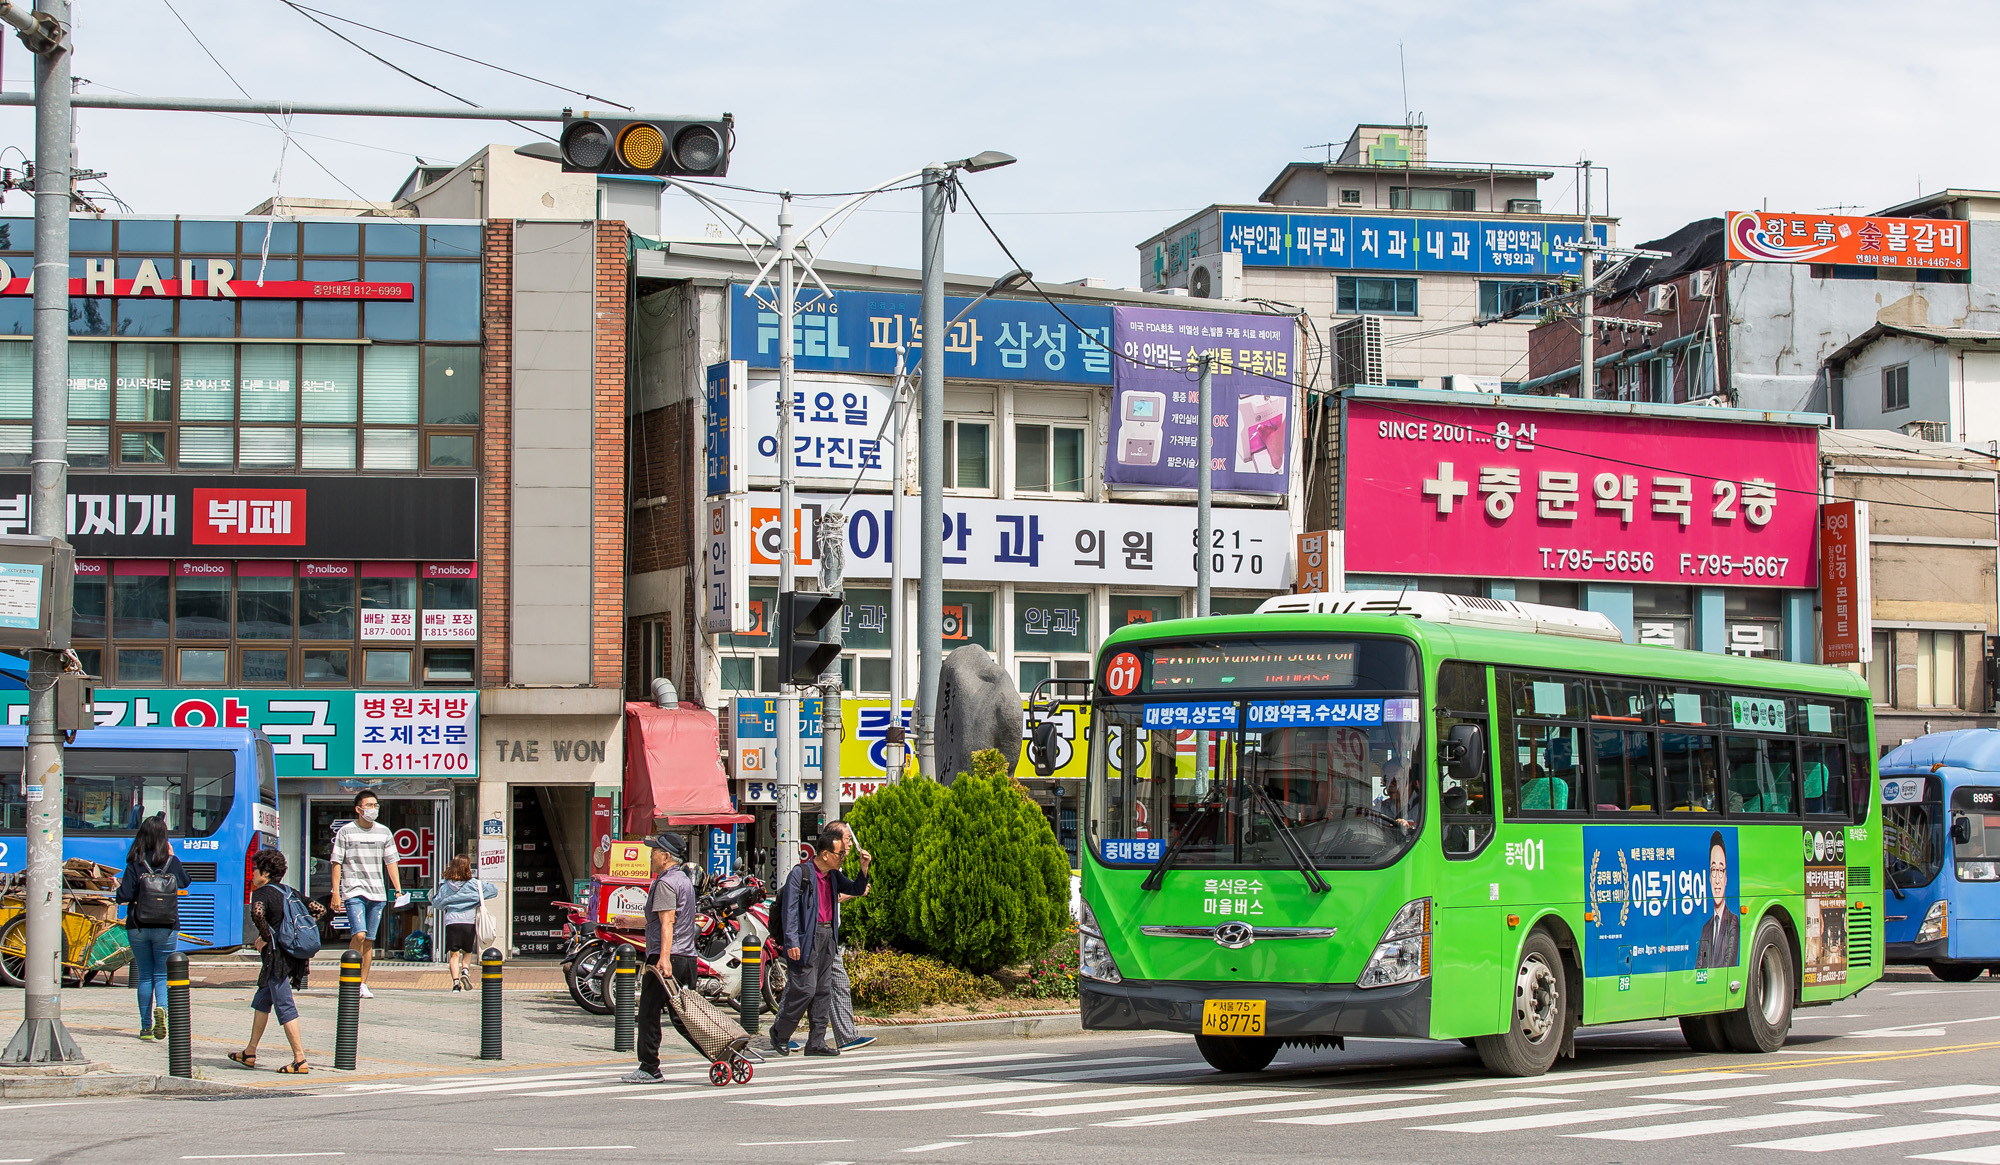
[
  {"x": 1534, "y": 1036},
  {"x": 1237, "y": 1053},
  {"x": 1704, "y": 1033},
  {"x": 1956, "y": 972},
  {"x": 1766, "y": 1017}
]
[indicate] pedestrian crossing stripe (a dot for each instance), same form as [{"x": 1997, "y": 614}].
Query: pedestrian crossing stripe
[{"x": 1875, "y": 1138}]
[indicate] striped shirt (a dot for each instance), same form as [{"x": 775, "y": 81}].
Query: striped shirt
[{"x": 363, "y": 855}]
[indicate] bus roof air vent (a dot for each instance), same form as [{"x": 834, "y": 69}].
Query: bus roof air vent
[{"x": 1455, "y": 610}]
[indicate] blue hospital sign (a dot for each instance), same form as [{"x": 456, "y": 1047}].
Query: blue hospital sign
[{"x": 1380, "y": 243}]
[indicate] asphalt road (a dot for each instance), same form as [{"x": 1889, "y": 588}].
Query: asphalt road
[{"x": 1909, "y": 1070}]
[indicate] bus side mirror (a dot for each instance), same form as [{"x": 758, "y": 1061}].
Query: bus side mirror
[
  {"x": 1042, "y": 748},
  {"x": 1463, "y": 753},
  {"x": 1961, "y": 829}
]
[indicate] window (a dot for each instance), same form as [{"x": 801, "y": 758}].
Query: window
[
  {"x": 1376, "y": 295},
  {"x": 1516, "y": 299},
  {"x": 1895, "y": 388},
  {"x": 1937, "y": 669},
  {"x": 1913, "y": 838},
  {"x": 1350, "y": 196},
  {"x": 1465, "y": 790},
  {"x": 1129, "y": 609},
  {"x": 1419, "y": 198},
  {"x": 1753, "y": 624},
  {"x": 968, "y": 618},
  {"x": 1663, "y": 615},
  {"x": 967, "y": 458},
  {"x": 1881, "y": 669},
  {"x": 1049, "y": 458},
  {"x": 1051, "y": 637}
]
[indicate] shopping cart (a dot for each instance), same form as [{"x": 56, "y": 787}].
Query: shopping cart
[{"x": 720, "y": 1039}]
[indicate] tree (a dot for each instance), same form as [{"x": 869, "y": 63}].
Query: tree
[
  {"x": 887, "y": 824},
  {"x": 989, "y": 884}
]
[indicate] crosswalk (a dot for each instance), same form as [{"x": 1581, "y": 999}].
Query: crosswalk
[{"x": 1104, "y": 1092}]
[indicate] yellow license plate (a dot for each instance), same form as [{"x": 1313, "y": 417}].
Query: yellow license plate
[{"x": 1232, "y": 1017}]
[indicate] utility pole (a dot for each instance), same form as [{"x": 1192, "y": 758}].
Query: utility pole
[
  {"x": 831, "y": 535},
  {"x": 1586, "y": 369},
  {"x": 899, "y": 638},
  {"x": 788, "y": 697},
  {"x": 930, "y": 473},
  {"x": 1204, "y": 520},
  {"x": 42, "y": 1038}
]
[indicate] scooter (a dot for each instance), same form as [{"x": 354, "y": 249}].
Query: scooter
[{"x": 735, "y": 908}]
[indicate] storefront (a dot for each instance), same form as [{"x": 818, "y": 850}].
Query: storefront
[{"x": 549, "y": 772}]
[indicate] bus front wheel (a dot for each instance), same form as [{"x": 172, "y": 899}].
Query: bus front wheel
[
  {"x": 1540, "y": 1014},
  {"x": 1766, "y": 1017},
  {"x": 1956, "y": 972},
  {"x": 1237, "y": 1053}
]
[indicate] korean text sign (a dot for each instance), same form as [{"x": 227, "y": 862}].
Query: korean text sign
[
  {"x": 1497, "y": 492},
  {"x": 1845, "y": 594},
  {"x": 1769, "y": 237},
  {"x": 1155, "y": 426},
  {"x": 1663, "y": 898},
  {"x": 723, "y": 446},
  {"x": 860, "y": 331},
  {"x": 1380, "y": 243},
  {"x": 835, "y": 427}
]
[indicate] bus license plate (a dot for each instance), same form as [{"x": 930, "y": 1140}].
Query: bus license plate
[{"x": 1232, "y": 1017}]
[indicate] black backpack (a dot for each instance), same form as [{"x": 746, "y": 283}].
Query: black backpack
[
  {"x": 295, "y": 932},
  {"x": 155, "y": 899}
]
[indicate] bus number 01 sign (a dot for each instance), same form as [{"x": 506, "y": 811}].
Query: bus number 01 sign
[{"x": 1121, "y": 676}]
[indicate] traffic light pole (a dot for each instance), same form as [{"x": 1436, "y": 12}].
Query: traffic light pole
[
  {"x": 42, "y": 1038},
  {"x": 930, "y": 474},
  {"x": 788, "y": 696}
]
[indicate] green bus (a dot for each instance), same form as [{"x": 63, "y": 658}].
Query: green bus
[{"x": 1431, "y": 816}]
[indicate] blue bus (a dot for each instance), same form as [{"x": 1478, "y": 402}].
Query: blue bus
[
  {"x": 217, "y": 786},
  {"x": 1941, "y": 853}
]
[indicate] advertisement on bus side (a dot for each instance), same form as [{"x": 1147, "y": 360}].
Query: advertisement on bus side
[
  {"x": 1826, "y": 906},
  {"x": 1660, "y": 898}
]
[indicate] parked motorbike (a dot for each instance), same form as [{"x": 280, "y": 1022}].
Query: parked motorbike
[{"x": 727, "y": 909}]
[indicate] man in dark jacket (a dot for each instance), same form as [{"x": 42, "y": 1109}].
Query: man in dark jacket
[{"x": 811, "y": 925}]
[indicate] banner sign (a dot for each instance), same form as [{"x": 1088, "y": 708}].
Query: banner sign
[
  {"x": 198, "y": 278},
  {"x": 860, "y": 331},
  {"x": 315, "y": 733},
  {"x": 1376, "y": 243},
  {"x": 726, "y": 447},
  {"x": 1873, "y": 241},
  {"x": 1496, "y": 492},
  {"x": 1053, "y": 541},
  {"x": 1846, "y": 599},
  {"x": 834, "y": 427},
  {"x": 1661, "y": 898},
  {"x": 130, "y": 515},
  {"x": 1155, "y": 434},
  {"x": 1321, "y": 565},
  {"x": 725, "y": 564}
]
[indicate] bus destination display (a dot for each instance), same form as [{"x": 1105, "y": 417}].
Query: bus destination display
[{"x": 1252, "y": 667}]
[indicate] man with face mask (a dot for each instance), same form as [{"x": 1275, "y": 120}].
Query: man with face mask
[{"x": 364, "y": 859}]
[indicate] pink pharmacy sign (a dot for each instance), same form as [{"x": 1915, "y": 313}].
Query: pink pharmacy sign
[{"x": 1498, "y": 492}]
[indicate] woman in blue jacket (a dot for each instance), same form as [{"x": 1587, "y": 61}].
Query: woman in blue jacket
[{"x": 457, "y": 899}]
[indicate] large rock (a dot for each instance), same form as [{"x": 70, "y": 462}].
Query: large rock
[{"x": 978, "y": 707}]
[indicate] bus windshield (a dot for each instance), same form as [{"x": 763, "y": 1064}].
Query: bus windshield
[{"x": 1269, "y": 760}]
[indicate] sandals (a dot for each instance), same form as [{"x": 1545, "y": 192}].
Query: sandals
[
  {"x": 243, "y": 1059},
  {"x": 296, "y": 1068}
]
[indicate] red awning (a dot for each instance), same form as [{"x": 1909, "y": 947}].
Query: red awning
[{"x": 673, "y": 769}]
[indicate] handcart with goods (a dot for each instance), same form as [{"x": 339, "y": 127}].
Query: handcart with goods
[
  {"x": 94, "y": 943},
  {"x": 720, "y": 1039}
]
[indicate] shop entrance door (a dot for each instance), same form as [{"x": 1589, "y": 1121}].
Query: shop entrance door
[{"x": 422, "y": 826}]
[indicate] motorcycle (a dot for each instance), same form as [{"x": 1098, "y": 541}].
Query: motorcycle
[{"x": 727, "y": 909}]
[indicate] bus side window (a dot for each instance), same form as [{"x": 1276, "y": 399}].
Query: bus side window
[
  {"x": 1465, "y": 792},
  {"x": 1912, "y": 849},
  {"x": 1825, "y": 770},
  {"x": 1693, "y": 780},
  {"x": 211, "y": 790},
  {"x": 1547, "y": 767}
]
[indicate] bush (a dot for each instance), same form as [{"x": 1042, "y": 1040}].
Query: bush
[
  {"x": 887, "y": 823},
  {"x": 989, "y": 881},
  {"x": 1051, "y": 974},
  {"x": 894, "y": 981}
]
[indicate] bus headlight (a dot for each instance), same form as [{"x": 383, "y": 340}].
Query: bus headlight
[
  {"x": 1404, "y": 954},
  {"x": 1936, "y": 924},
  {"x": 1094, "y": 959}
]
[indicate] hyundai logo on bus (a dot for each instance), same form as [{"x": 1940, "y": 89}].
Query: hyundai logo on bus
[{"x": 1235, "y": 935}]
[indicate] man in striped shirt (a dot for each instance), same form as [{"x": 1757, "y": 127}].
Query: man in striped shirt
[{"x": 364, "y": 858}]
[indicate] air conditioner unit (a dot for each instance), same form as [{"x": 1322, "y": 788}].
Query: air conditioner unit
[
  {"x": 1217, "y": 276},
  {"x": 1660, "y": 299},
  {"x": 1701, "y": 285},
  {"x": 1357, "y": 351},
  {"x": 1462, "y": 383},
  {"x": 1524, "y": 206}
]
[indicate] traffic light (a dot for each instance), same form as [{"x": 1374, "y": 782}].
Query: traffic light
[
  {"x": 802, "y": 615},
  {"x": 610, "y": 145}
]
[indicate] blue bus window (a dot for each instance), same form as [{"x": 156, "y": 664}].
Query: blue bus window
[{"x": 211, "y": 781}]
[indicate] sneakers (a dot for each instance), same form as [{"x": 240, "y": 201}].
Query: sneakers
[
  {"x": 641, "y": 1076},
  {"x": 366, "y": 993},
  {"x": 159, "y": 1023},
  {"x": 857, "y": 1042},
  {"x": 783, "y": 1049},
  {"x": 812, "y": 1051},
  {"x": 145, "y": 1033},
  {"x": 458, "y": 985}
]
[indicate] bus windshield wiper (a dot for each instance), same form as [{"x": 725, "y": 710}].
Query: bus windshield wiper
[
  {"x": 1160, "y": 868},
  {"x": 1300, "y": 858}
]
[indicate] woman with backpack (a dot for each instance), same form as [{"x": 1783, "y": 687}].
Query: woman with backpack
[
  {"x": 457, "y": 899},
  {"x": 282, "y": 969},
  {"x": 150, "y": 891}
]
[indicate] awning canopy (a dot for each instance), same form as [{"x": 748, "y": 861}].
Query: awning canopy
[{"x": 673, "y": 769}]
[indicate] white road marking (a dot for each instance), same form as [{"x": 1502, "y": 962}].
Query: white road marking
[
  {"x": 1021, "y": 1132},
  {"x": 1984, "y": 1155},
  {"x": 1101, "y": 1073},
  {"x": 1720, "y": 1126},
  {"x": 1567, "y": 1116},
  {"x": 1491, "y": 1082},
  {"x": 1905, "y": 1096},
  {"x": 933, "y": 1145},
  {"x": 1641, "y": 1082},
  {"x": 1777, "y": 1089},
  {"x": 558, "y": 1148},
  {"x": 1418, "y": 1111},
  {"x": 989, "y": 1088},
  {"x": 1183, "y": 1118},
  {"x": 768, "y": 1144},
  {"x": 1065, "y": 1064},
  {"x": 1870, "y": 1138},
  {"x": 1924, "y": 1029},
  {"x": 255, "y": 1156},
  {"x": 927, "y": 1062},
  {"x": 1148, "y": 1102},
  {"x": 1074, "y": 1094}
]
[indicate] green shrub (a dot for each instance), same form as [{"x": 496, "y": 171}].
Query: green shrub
[
  {"x": 989, "y": 881},
  {"x": 887, "y": 824},
  {"x": 895, "y": 981},
  {"x": 1051, "y": 974}
]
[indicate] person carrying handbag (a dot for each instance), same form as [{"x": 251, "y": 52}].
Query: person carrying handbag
[
  {"x": 150, "y": 892},
  {"x": 459, "y": 900}
]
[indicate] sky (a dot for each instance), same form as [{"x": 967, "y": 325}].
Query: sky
[{"x": 1126, "y": 117}]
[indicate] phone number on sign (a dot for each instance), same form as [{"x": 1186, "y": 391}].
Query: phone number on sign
[
  {"x": 1641, "y": 562},
  {"x": 413, "y": 762},
  {"x": 1750, "y": 565}
]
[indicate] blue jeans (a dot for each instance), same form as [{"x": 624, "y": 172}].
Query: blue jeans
[
  {"x": 150, "y": 947},
  {"x": 276, "y": 995},
  {"x": 364, "y": 917}
]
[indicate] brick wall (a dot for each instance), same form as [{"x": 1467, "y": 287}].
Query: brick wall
[
  {"x": 496, "y": 452},
  {"x": 608, "y": 508},
  {"x": 663, "y": 444}
]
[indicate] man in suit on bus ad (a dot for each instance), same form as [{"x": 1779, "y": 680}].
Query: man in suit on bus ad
[{"x": 1721, "y": 944}]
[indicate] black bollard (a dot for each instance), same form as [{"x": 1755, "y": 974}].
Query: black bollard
[
  {"x": 489, "y": 1004},
  {"x": 750, "y": 1000},
  {"x": 347, "y": 1025},
  {"x": 624, "y": 993},
  {"x": 180, "y": 1056}
]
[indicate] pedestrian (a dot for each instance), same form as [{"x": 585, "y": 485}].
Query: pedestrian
[
  {"x": 278, "y": 973},
  {"x": 364, "y": 858},
  {"x": 669, "y": 949},
  {"x": 457, "y": 899},
  {"x": 846, "y": 1036},
  {"x": 811, "y": 906},
  {"x": 150, "y": 890}
]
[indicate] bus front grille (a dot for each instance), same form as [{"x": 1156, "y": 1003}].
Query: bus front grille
[
  {"x": 1860, "y": 936},
  {"x": 198, "y": 919},
  {"x": 1859, "y": 878},
  {"x": 199, "y": 871}
]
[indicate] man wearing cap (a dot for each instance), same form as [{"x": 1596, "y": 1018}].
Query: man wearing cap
[{"x": 669, "y": 947}]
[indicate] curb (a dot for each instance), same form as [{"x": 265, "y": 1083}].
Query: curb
[
  {"x": 948, "y": 1031},
  {"x": 110, "y": 1084}
]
